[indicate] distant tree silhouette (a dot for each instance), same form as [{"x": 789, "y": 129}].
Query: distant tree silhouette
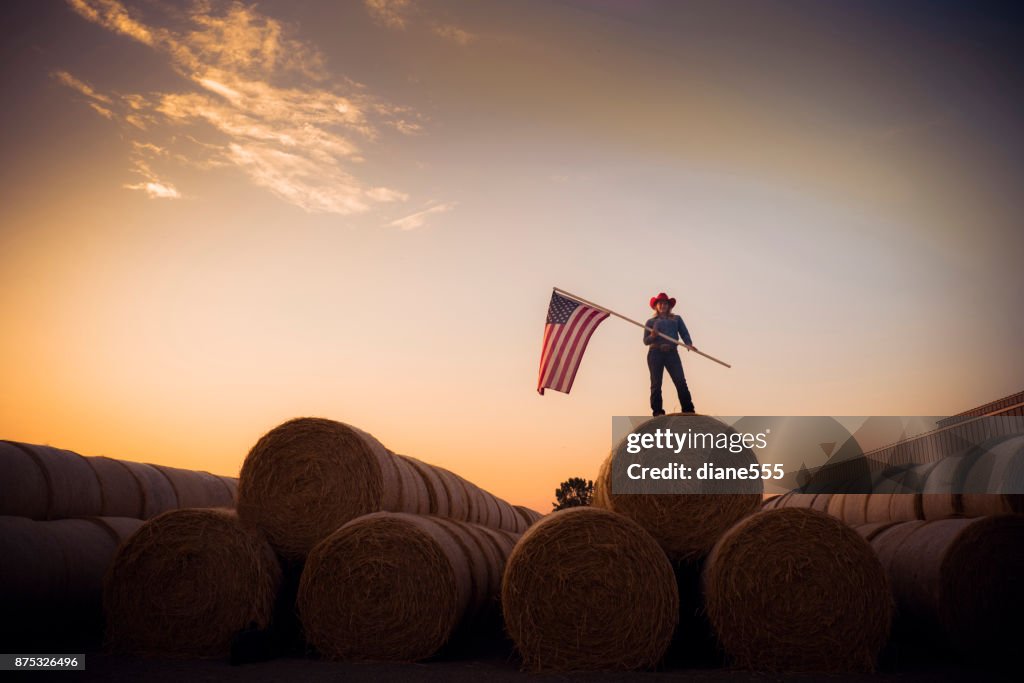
[{"x": 573, "y": 492}]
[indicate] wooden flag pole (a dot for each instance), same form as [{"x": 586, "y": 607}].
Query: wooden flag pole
[{"x": 638, "y": 324}]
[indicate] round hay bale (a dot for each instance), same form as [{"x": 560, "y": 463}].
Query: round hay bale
[
  {"x": 186, "y": 582},
  {"x": 904, "y": 507},
  {"x": 396, "y": 586},
  {"x": 309, "y": 476},
  {"x": 872, "y": 529},
  {"x": 528, "y": 515},
  {"x": 685, "y": 524},
  {"x": 50, "y": 565},
  {"x": 990, "y": 504},
  {"x": 478, "y": 510},
  {"x": 797, "y": 590},
  {"x": 906, "y": 503},
  {"x": 196, "y": 489},
  {"x": 497, "y": 519},
  {"x": 120, "y": 493},
  {"x": 23, "y": 488},
  {"x": 121, "y": 528},
  {"x": 889, "y": 499},
  {"x": 997, "y": 468},
  {"x": 497, "y": 514},
  {"x": 437, "y": 491},
  {"x": 231, "y": 486},
  {"x": 835, "y": 506},
  {"x": 64, "y": 485},
  {"x": 458, "y": 499},
  {"x": 798, "y": 500},
  {"x": 821, "y": 502},
  {"x": 410, "y": 489},
  {"x": 158, "y": 495},
  {"x": 589, "y": 589},
  {"x": 510, "y": 519},
  {"x": 876, "y": 509},
  {"x": 855, "y": 508},
  {"x": 961, "y": 578},
  {"x": 40, "y": 482},
  {"x": 504, "y": 541},
  {"x": 937, "y": 498}
]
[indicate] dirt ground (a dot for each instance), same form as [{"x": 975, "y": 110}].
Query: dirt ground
[
  {"x": 103, "y": 667},
  {"x": 482, "y": 657},
  {"x": 498, "y": 663}
]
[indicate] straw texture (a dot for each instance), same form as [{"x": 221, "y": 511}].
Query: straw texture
[
  {"x": 46, "y": 483},
  {"x": 395, "y": 586},
  {"x": 958, "y": 578},
  {"x": 793, "y": 589},
  {"x": 52, "y": 571},
  {"x": 588, "y": 589},
  {"x": 309, "y": 476},
  {"x": 686, "y": 525},
  {"x": 186, "y": 582}
]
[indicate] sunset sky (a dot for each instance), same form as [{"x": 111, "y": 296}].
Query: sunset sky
[{"x": 217, "y": 216}]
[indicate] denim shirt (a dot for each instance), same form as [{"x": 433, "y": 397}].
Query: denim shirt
[{"x": 672, "y": 326}]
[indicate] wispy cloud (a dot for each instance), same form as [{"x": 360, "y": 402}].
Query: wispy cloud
[
  {"x": 151, "y": 183},
  {"x": 156, "y": 190},
  {"x": 386, "y": 194},
  {"x": 419, "y": 219},
  {"x": 102, "y": 111},
  {"x": 304, "y": 141},
  {"x": 453, "y": 33},
  {"x": 390, "y": 13},
  {"x": 114, "y": 16},
  {"x": 82, "y": 87},
  {"x": 403, "y": 14}
]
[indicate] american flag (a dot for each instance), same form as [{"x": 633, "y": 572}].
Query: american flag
[{"x": 566, "y": 333}]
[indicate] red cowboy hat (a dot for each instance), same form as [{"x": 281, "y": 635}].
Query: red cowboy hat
[{"x": 662, "y": 297}]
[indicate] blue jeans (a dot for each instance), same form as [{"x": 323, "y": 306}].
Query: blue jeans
[{"x": 657, "y": 363}]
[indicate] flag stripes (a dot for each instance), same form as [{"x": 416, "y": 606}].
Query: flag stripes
[{"x": 567, "y": 331}]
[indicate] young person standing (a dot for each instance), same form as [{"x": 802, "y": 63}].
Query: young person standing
[{"x": 663, "y": 355}]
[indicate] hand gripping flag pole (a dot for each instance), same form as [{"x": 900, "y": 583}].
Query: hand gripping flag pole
[
  {"x": 638, "y": 324},
  {"x": 570, "y": 323}
]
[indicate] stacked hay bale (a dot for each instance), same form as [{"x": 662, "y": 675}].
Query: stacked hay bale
[
  {"x": 799, "y": 500},
  {"x": 187, "y": 582},
  {"x": 890, "y": 499},
  {"x": 792, "y": 589},
  {"x": 998, "y": 468},
  {"x": 958, "y": 579},
  {"x": 856, "y": 509},
  {"x": 397, "y": 586},
  {"x": 949, "y": 537},
  {"x": 589, "y": 589},
  {"x": 686, "y": 518},
  {"x": 62, "y": 516},
  {"x": 42, "y": 482},
  {"x": 52, "y": 571},
  {"x": 529, "y": 516},
  {"x": 685, "y": 524},
  {"x": 309, "y": 476},
  {"x": 981, "y": 481},
  {"x": 405, "y": 554},
  {"x": 811, "y": 501}
]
